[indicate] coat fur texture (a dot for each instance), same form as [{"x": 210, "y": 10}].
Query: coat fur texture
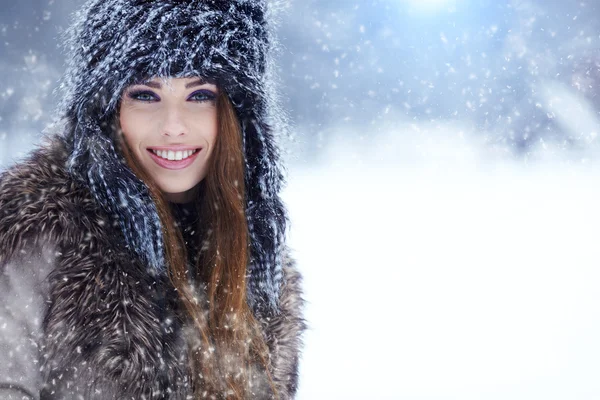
[{"x": 81, "y": 317}]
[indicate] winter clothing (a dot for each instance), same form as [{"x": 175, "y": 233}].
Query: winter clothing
[
  {"x": 186, "y": 216},
  {"x": 114, "y": 43},
  {"x": 86, "y": 307},
  {"x": 79, "y": 313}
]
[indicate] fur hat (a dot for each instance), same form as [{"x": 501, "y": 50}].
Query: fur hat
[{"x": 114, "y": 43}]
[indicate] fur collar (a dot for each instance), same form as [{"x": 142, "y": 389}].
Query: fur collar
[{"x": 111, "y": 329}]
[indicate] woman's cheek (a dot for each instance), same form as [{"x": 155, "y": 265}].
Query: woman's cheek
[{"x": 133, "y": 124}]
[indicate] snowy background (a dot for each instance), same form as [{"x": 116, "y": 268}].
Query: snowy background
[{"x": 443, "y": 188}]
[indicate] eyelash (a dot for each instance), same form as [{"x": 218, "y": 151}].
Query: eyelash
[{"x": 206, "y": 94}]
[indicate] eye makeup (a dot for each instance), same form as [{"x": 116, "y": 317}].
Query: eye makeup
[
  {"x": 136, "y": 94},
  {"x": 204, "y": 95},
  {"x": 148, "y": 96}
]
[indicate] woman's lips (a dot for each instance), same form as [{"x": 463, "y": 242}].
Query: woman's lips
[{"x": 174, "y": 164}]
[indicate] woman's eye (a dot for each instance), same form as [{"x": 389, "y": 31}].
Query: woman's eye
[
  {"x": 203, "y": 95},
  {"x": 142, "y": 96}
]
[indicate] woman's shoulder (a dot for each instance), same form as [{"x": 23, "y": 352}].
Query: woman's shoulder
[
  {"x": 292, "y": 292},
  {"x": 284, "y": 331},
  {"x": 42, "y": 166},
  {"x": 38, "y": 198},
  {"x": 38, "y": 178}
]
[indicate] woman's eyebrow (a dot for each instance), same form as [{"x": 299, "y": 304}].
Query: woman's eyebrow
[{"x": 198, "y": 82}]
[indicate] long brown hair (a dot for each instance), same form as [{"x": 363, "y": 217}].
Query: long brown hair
[{"x": 228, "y": 355}]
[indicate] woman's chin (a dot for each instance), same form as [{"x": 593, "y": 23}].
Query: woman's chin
[{"x": 179, "y": 194}]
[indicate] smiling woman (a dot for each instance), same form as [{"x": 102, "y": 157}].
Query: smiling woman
[
  {"x": 172, "y": 130},
  {"x": 142, "y": 248}
]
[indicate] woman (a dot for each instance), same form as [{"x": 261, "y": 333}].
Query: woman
[{"x": 142, "y": 249}]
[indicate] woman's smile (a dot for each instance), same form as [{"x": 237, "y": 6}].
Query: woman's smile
[{"x": 170, "y": 159}]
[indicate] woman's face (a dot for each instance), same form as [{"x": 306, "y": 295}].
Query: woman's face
[{"x": 171, "y": 127}]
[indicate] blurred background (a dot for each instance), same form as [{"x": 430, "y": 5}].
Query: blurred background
[{"x": 443, "y": 168}]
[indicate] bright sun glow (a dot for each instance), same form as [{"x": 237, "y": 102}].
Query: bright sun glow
[{"x": 430, "y": 5}]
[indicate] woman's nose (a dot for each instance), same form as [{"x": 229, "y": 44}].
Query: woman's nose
[{"x": 174, "y": 123}]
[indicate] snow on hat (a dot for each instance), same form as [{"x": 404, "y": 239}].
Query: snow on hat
[{"x": 114, "y": 43}]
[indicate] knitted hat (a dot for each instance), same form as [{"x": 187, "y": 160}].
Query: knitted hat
[{"x": 114, "y": 43}]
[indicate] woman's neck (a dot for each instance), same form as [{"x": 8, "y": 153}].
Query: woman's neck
[{"x": 183, "y": 197}]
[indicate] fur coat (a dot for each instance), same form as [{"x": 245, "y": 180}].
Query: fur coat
[{"x": 81, "y": 317}]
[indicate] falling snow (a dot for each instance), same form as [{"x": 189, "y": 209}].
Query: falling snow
[{"x": 443, "y": 166}]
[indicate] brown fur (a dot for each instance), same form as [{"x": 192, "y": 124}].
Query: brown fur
[{"x": 109, "y": 329}]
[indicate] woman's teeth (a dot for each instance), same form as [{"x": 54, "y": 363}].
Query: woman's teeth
[{"x": 174, "y": 155}]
